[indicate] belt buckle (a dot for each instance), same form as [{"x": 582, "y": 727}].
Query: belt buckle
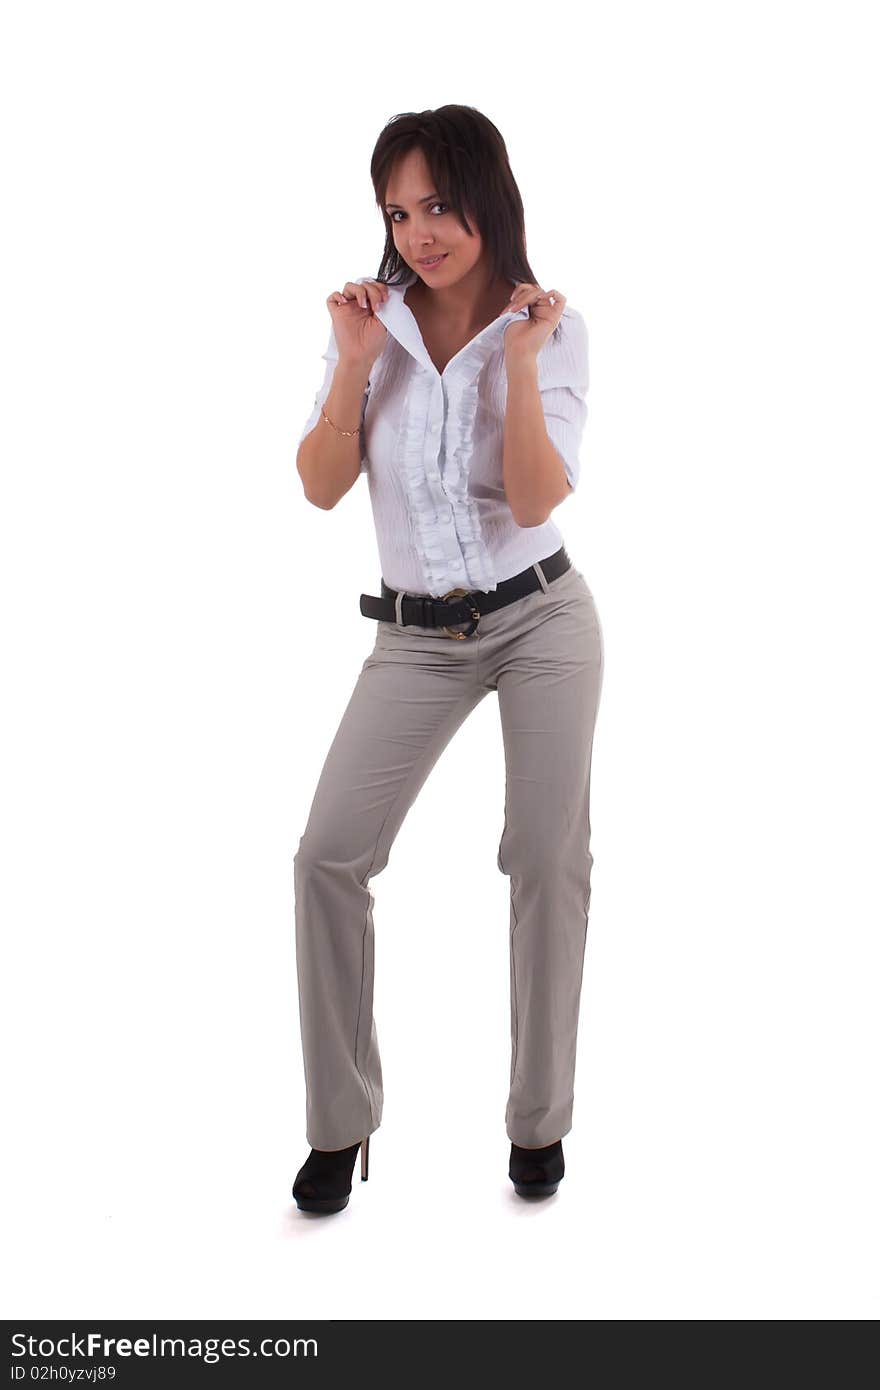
[{"x": 462, "y": 593}]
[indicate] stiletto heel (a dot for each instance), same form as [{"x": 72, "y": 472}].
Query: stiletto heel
[
  {"x": 323, "y": 1183},
  {"x": 537, "y": 1172}
]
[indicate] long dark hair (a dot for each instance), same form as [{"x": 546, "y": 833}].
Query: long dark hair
[{"x": 468, "y": 160}]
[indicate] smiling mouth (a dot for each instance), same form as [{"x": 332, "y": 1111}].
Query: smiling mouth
[{"x": 434, "y": 260}]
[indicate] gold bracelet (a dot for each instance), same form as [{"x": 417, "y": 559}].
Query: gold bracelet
[{"x": 336, "y": 427}]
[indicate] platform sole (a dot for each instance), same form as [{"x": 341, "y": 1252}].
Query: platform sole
[
  {"x": 535, "y": 1189},
  {"x": 324, "y": 1205}
]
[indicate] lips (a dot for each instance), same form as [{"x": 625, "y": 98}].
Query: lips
[{"x": 434, "y": 260}]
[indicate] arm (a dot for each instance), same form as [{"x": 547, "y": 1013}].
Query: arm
[
  {"x": 545, "y": 419},
  {"x": 328, "y": 463},
  {"x": 534, "y": 475}
]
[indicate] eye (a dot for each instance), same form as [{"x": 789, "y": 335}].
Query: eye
[{"x": 393, "y": 215}]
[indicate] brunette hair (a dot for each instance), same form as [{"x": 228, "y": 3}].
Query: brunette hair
[{"x": 471, "y": 172}]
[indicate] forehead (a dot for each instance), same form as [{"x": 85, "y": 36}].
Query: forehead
[{"x": 410, "y": 175}]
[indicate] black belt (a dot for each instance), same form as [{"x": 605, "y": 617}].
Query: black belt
[{"x": 469, "y": 605}]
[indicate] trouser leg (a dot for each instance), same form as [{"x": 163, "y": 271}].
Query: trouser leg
[
  {"x": 408, "y": 702},
  {"x": 549, "y": 685}
]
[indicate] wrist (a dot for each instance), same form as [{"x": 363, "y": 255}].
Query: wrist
[
  {"x": 354, "y": 370},
  {"x": 521, "y": 363}
]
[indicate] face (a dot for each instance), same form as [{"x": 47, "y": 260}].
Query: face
[{"x": 423, "y": 226}]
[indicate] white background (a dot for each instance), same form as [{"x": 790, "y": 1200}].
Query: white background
[{"x": 185, "y": 184}]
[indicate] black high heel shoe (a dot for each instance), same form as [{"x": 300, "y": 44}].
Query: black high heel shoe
[
  {"x": 537, "y": 1172},
  {"x": 323, "y": 1183}
]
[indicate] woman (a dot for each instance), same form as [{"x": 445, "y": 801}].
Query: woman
[{"x": 469, "y": 381}]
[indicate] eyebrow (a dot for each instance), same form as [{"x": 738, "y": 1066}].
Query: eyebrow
[{"x": 430, "y": 198}]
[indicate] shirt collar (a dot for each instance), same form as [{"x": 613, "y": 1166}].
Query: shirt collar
[{"x": 400, "y": 322}]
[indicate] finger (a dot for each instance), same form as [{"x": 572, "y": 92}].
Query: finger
[
  {"x": 371, "y": 294},
  {"x": 521, "y": 295},
  {"x": 377, "y": 293},
  {"x": 353, "y": 294},
  {"x": 368, "y": 295},
  {"x": 553, "y": 299},
  {"x": 532, "y": 296}
]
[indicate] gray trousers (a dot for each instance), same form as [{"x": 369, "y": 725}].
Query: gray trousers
[{"x": 544, "y": 656}]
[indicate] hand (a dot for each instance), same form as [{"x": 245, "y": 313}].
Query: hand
[
  {"x": 526, "y": 337},
  {"x": 360, "y": 336}
]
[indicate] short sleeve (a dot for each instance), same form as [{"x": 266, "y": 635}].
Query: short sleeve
[
  {"x": 331, "y": 357},
  {"x": 563, "y": 379}
]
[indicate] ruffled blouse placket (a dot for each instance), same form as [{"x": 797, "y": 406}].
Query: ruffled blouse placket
[{"x": 439, "y": 409}]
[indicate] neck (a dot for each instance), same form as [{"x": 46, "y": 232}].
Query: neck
[{"x": 466, "y": 305}]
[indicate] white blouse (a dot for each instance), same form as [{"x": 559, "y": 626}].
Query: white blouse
[{"x": 432, "y": 446}]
